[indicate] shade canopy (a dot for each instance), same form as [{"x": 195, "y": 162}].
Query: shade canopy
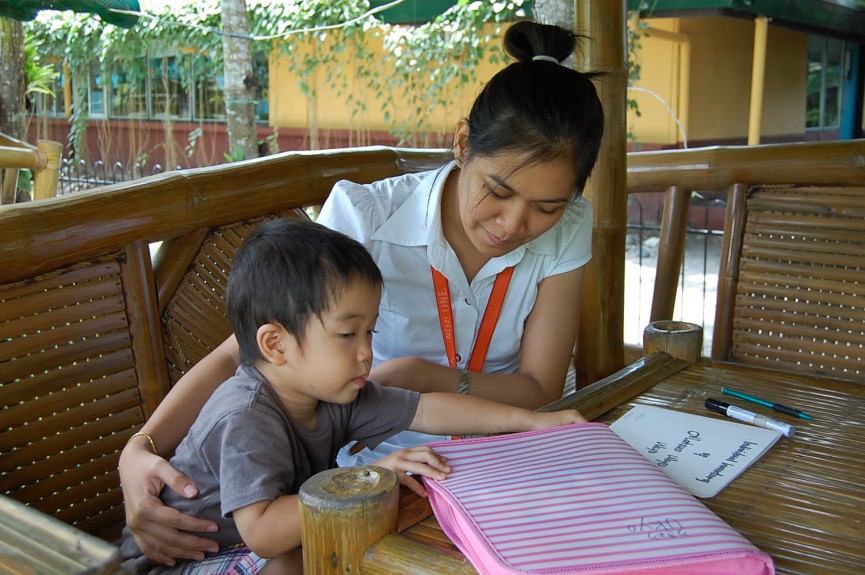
[
  {"x": 27, "y": 9},
  {"x": 839, "y": 18}
]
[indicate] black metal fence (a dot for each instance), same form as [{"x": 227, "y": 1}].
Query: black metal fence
[
  {"x": 698, "y": 280},
  {"x": 77, "y": 176}
]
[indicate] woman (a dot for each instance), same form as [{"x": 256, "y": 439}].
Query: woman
[{"x": 482, "y": 262}]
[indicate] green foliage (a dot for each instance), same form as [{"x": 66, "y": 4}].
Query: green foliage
[
  {"x": 37, "y": 76},
  {"x": 433, "y": 59},
  {"x": 430, "y": 61},
  {"x": 236, "y": 155}
]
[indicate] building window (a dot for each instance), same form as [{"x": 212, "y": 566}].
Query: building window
[
  {"x": 128, "y": 90},
  {"x": 169, "y": 77},
  {"x": 183, "y": 86},
  {"x": 823, "y": 106}
]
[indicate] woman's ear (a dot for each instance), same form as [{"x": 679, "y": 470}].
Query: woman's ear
[
  {"x": 461, "y": 141},
  {"x": 274, "y": 343}
]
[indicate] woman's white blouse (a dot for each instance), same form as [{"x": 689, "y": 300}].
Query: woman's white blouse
[{"x": 399, "y": 222}]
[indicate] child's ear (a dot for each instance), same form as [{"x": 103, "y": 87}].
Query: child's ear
[{"x": 274, "y": 343}]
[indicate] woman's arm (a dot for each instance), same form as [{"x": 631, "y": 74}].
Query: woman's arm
[
  {"x": 448, "y": 414},
  {"x": 143, "y": 474},
  {"x": 547, "y": 348}
]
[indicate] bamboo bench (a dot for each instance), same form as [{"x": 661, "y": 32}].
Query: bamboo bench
[
  {"x": 92, "y": 334},
  {"x": 95, "y": 332}
]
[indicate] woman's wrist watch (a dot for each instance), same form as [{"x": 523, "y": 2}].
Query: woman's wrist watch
[{"x": 464, "y": 383}]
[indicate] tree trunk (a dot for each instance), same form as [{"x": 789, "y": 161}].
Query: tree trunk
[
  {"x": 239, "y": 91},
  {"x": 12, "y": 78},
  {"x": 559, "y": 12}
]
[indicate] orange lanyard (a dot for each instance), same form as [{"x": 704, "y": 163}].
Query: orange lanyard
[{"x": 488, "y": 323}]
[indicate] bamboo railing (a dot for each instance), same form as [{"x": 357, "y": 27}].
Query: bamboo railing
[
  {"x": 43, "y": 159},
  {"x": 681, "y": 172}
]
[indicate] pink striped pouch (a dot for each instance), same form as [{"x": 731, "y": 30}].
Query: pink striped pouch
[{"x": 578, "y": 499}]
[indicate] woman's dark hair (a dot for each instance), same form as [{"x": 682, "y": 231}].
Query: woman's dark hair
[
  {"x": 287, "y": 271},
  {"x": 538, "y": 107}
]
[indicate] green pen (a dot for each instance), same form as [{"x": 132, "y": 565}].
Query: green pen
[{"x": 757, "y": 400}]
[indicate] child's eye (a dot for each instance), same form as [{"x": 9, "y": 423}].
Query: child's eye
[
  {"x": 347, "y": 335},
  {"x": 371, "y": 332}
]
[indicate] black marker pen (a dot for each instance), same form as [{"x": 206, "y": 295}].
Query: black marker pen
[{"x": 736, "y": 412}]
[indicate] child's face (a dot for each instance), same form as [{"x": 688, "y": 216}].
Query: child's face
[{"x": 335, "y": 356}]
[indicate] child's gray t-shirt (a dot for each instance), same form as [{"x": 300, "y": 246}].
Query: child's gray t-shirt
[{"x": 243, "y": 448}]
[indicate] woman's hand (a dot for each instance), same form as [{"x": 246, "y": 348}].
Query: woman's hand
[
  {"x": 421, "y": 460},
  {"x": 154, "y": 525}
]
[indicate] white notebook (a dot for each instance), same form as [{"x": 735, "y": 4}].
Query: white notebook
[{"x": 703, "y": 454}]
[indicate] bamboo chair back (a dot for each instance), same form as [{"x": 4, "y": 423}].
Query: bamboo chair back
[
  {"x": 792, "y": 280},
  {"x": 70, "y": 395},
  {"x": 93, "y": 331}
]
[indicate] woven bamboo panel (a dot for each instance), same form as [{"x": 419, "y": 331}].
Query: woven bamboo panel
[
  {"x": 801, "y": 287},
  {"x": 68, "y": 393},
  {"x": 195, "y": 321}
]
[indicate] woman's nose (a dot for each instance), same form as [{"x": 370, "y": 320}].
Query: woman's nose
[{"x": 513, "y": 220}]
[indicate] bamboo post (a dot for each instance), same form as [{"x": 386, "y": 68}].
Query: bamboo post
[
  {"x": 600, "y": 347},
  {"x": 10, "y": 185},
  {"x": 680, "y": 339},
  {"x": 671, "y": 249},
  {"x": 45, "y": 180},
  {"x": 343, "y": 511}
]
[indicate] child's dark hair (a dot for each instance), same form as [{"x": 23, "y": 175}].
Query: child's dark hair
[
  {"x": 287, "y": 271},
  {"x": 538, "y": 107}
]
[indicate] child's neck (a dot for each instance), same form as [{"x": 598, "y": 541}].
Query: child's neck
[{"x": 301, "y": 409}]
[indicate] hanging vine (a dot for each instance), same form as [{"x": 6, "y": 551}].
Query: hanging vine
[{"x": 429, "y": 62}]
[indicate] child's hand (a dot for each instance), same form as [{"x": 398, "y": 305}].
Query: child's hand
[
  {"x": 556, "y": 418},
  {"x": 420, "y": 460}
]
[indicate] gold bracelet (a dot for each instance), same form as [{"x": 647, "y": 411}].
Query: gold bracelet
[{"x": 149, "y": 438}]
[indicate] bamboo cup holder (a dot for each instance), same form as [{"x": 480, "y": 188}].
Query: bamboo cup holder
[{"x": 680, "y": 339}]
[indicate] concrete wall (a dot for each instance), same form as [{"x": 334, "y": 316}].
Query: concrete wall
[{"x": 716, "y": 82}]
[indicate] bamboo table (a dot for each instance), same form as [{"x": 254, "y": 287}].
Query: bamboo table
[{"x": 803, "y": 502}]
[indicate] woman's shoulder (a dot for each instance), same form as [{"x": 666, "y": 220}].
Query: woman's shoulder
[
  {"x": 577, "y": 216},
  {"x": 359, "y": 209},
  {"x": 387, "y": 192}
]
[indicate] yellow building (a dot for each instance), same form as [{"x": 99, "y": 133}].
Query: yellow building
[{"x": 712, "y": 72}]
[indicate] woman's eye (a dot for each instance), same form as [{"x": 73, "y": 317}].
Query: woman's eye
[
  {"x": 496, "y": 194},
  {"x": 548, "y": 211}
]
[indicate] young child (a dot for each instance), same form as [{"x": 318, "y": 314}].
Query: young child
[{"x": 303, "y": 301}]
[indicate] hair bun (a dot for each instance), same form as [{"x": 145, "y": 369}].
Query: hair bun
[{"x": 525, "y": 41}]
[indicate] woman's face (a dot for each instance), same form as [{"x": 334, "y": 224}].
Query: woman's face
[{"x": 506, "y": 202}]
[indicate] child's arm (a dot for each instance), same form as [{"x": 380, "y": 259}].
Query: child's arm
[
  {"x": 454, "y": 414},
  {"x": 270, "y": 528}
]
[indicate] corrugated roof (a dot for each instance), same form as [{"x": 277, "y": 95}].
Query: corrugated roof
[{"x": 839, "y": 18}]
